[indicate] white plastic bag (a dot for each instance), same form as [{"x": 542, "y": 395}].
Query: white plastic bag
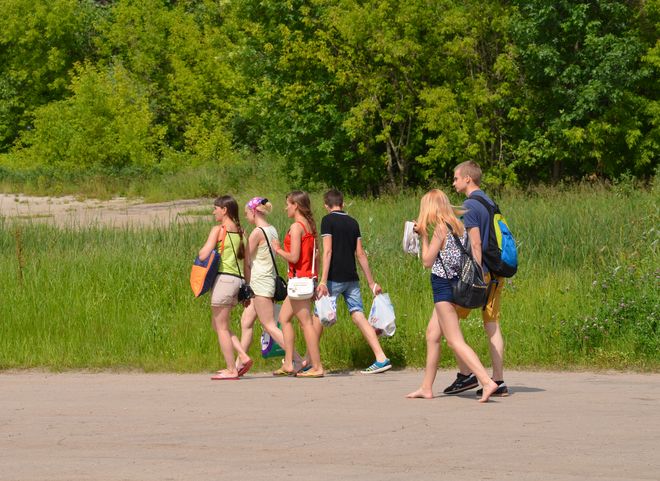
[
  {"x": 410, "y": 239},
  {"x": 326, "y": 309},
  {"x": 381, "y": 316}
]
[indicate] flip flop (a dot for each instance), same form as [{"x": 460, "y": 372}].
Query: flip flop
[
  {"x": 245, "y": 367},
  {"x": 310, "y": 374},
  {"x": 282, "y": 372},
  {"x": 224, "y": 377}
]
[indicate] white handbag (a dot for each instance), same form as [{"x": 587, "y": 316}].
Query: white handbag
[{"x": 301, "y": 288}]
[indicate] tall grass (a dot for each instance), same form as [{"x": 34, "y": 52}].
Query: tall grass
[{"x": 96, "y": 297}]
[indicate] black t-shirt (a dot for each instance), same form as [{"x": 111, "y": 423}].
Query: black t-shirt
[{"x": 345, "y": 232}]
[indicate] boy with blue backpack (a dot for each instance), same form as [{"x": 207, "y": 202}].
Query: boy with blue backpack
[{"x": 493, "y": 247}]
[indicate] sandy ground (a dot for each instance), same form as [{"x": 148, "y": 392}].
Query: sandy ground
[
  {"x": 105, "y": 426},
  {"x": 68, "y": 211}
]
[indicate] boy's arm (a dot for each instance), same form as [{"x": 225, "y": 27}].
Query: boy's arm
[
  {"x": 322, "y": 288},
  {"x": 361, "y": 257},
  {"x": 475, "y": 243}
]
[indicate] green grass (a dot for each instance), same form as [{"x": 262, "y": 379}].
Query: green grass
[{"x": 119, "y": 298}]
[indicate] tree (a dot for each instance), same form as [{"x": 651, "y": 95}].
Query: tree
[
  {"x": 584, "y": 79},
  {"x": 39, "y": 43}
]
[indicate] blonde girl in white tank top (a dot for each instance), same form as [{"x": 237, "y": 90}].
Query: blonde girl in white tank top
[{"x": 262, "y": 278}]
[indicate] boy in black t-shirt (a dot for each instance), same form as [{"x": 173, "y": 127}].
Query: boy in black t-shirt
[{"x": 342, "y": 244}]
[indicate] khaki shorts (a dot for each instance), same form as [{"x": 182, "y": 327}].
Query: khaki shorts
[
  {"x": 225, "y": 290},
  {"x": 492, "y": 311}
]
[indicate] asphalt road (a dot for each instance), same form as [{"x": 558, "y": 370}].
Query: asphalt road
[{"x": 347, "y": 426}]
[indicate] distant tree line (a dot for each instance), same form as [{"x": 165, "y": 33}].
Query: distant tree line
[{"x": 352, "y": 93}]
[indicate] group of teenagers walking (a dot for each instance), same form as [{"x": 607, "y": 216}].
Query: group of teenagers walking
[{"x": 252, "y": 262}]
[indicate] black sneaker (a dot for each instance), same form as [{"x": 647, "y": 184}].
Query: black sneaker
[
  {"x": 462, "y": 383},
  {"x": 501, "y": 391}
]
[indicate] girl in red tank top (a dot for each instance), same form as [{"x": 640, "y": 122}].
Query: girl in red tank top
[
  {"x": 299, "y": 247},
  {"x": 302, "y": 268}
]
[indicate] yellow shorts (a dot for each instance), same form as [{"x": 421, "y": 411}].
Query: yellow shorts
[{"x": 492, "y": 311}]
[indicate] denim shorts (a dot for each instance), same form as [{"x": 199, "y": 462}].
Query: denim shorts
[
  {"x": 351, "y": 292},
  {"x": 442, "y": 288}
]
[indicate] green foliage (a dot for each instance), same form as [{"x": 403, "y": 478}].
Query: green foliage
[
  {"x": 39, "y": 43},
  {"x": 585, "y": 88},
  {"x": 627, "y": 310},
  {"x": 363, "y": 95},
  {"x": 106, "y": 106},
  {"x": 97, "y": 297}
]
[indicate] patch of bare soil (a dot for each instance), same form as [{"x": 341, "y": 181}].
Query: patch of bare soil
[{"x": 71, "y": 212}]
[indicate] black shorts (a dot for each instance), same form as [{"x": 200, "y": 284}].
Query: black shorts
[{"x": 442, "y": 288}]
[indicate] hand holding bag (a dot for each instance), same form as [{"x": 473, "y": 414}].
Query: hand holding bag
[
  {"x": 326, "y": 309},
  {"x": 381, "y": 315},
  {"x": 280, "y": 284}
]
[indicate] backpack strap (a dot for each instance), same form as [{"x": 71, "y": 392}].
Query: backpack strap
[{"x": 491, "y": 208}]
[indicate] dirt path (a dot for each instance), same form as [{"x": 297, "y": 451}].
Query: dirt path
[
  {"x": 554, "y": 426},
  {"x": 68, "y": 211}
]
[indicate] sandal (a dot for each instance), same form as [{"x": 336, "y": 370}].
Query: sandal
[
  {"x": 283, "y": 372},
  {"x": 245, "y": 368},
  {"x": 223, "y": 377},
  {"x": 310, "y": 374}
]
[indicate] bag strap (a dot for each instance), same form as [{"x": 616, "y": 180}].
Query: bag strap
[
  {"x": 313, "y": 251},
  {"x": 491, "y": 208},
  {"x": 461, "y": 247},
  {"x": 235, "y": 258},
  {"x": 272, "y": 257},
  {"x": 223, "y": 235}
]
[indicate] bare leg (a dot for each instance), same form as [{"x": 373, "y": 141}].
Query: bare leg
[
  {"x": 304, "y": 315},
  {"x": 496, "y": 346},
  {"x": 433, "y": 347},
  {"x": 452, "y": 332},
  {"x": 369, "y": 334},
  {"x": 221, "y": 326},
  {"x": 264, "y": 310},
  {"x": 286, "y": 313},
  {"x": 247, "y": 325}
]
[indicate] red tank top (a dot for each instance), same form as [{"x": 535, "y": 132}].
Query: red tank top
[{"x": 302, "y": 268}]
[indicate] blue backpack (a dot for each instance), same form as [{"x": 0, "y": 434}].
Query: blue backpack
[{"x": 500, "y": 254}]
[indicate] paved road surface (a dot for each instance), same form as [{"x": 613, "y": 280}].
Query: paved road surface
[{"x": 554, "y": 426}]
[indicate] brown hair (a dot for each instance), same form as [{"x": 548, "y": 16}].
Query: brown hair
[
  {"x": 229, "y": 203},
  {"x": 471, "y": 169},
  {"x": 333, "y": 198},
  {"x": 301, "y": 199}
]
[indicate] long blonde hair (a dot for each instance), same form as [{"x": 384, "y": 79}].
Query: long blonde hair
[{"x": 434, "y": 209}]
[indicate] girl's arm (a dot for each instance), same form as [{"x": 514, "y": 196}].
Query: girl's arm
[
  {"x": 210, "y": 244},
  {"x": 431, "y": 248},
  {"x": 253, "y": 243},
  {"x": 296, "y": 239}
]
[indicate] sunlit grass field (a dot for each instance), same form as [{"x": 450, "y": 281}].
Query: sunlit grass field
[{"x": 585, "y": 296}]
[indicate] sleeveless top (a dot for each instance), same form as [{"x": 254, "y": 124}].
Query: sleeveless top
[
  {"x": 302, "y": 268},
  {"x": 262, "y": 264},
  {"x": 451, "y": 257},
  {"x": 228, "y": 256}
]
